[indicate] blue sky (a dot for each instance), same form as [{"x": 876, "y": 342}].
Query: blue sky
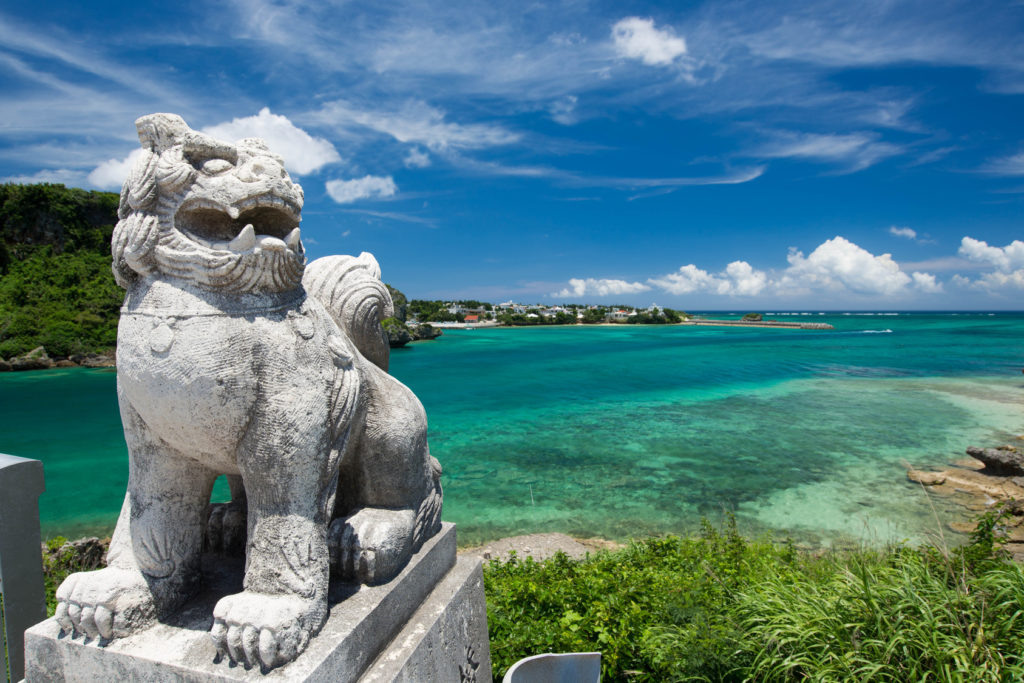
[{"x": 717, "y": 155}]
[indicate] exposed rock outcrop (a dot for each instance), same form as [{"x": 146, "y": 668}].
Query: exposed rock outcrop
[
  {"x": 400, "y": 303},
  {"x": 398, "y": 332},
  {"x": 424, "y": 331},
  {"x": 36, "y": 359},
  {"x": 94, "y": 360},
  {"x": 992, "y": 476},
  {"x": 1005, "y": 461}
]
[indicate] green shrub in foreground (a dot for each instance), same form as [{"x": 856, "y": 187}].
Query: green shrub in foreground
[{"x": 721, "y": 608}]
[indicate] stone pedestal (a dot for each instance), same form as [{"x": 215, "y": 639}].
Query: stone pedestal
[{"x": 429, "y": 623}]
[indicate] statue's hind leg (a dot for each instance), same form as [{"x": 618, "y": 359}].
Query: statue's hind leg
[
  {"x": 153, "y": 562},
  {"x": 386, "y": 489}
]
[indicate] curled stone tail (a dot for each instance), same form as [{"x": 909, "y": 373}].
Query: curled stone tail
[
  {"x": 428, "y": 516},
  {"x": 351, "y": 289}
]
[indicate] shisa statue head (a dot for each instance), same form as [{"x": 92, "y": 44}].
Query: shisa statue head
[{"x": 223, "y": 216}]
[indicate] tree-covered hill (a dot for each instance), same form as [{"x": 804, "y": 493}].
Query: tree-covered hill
[{"x": 56, "y": 287}]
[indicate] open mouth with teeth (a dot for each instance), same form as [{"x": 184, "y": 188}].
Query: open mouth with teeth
[{"x": 266, "y": 222}]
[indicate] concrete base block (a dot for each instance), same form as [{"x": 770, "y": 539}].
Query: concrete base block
[
  {"x": 446, "y": 639},
  {"x": 439, "y": 600}
]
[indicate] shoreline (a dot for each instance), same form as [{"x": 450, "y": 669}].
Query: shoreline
[{"x": 978, "y": 488}]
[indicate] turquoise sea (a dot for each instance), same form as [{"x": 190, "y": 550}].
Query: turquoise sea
[{"x": 620, "y": 431}]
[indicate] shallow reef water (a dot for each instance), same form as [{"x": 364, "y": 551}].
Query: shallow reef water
[{"x": 624, "y": 431}]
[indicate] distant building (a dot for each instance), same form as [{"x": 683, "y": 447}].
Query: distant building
[{"x": 472, "y": 318}]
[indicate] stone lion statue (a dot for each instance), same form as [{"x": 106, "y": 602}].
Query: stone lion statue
[{"x": 236, "y": 357}]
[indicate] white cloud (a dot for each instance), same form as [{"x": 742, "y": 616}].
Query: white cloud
[
  {"x": 744, "y": 280},
  {"x": 111, "y": 174},
  {"x": 909, "y": 233},
  {"x": 348, "y": 191},
  {"x": 1004, "y": 259},
  {"x": 1010, "y": 166},
  {"x": 394, "y": 216},
  {"x": 738, "y": 279},
  {"x": 417, "y": 158},
  {"x": 1008, "y": 262},
  {"x": 302, "y": 152},
  {"x": 926, "y": 283},
  {"x": 855, "y": 150},
  {"x": 1000, "y": 280},
  {"x": 839, "y": 264},
  {"x": 686, "y": 280},
  {"x": 600, "y": 287},
  {"x": 417, "y": 122},
  {"x": 563, "y": 110},
  {"x": 637, "y": 38},
  {"x": 65, "y": 176}
]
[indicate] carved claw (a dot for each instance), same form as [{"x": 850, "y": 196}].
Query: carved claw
[
  {"x": 107, "y": 603},
  {"x": 254, "y": 629},
  {"x": 372, "y": 545}
]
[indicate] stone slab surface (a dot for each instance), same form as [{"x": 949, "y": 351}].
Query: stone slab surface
[
  {"x": 21, "y": 569},
  {"x": 362, "y": 621},
  {"x": 446, "y": 639}
]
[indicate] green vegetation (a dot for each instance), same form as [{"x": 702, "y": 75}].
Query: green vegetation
[
  {"x": 559, "y": 318},
  {"x": 662, "y": 316},
  {"x": 59, "y": 560},
  {"x": 56, "y": 287},
  {"x": 433, "y": 311},
  {"x": 720, "y": 607},
  {"x": 753, "y": 317},
  {"x": 723, "y": 608},
  {"x": 401, "y": 303},
  {"x": 394, "y": 326}
]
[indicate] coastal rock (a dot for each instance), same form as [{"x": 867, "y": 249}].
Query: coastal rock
[
  {"x": 400, "y": 303},
  {"x": 398, "y": 333},
  {"x": 424, "y": 331},
  {"x": 4, "y": 366},
  {"x": 36, "y": 359},
  {"x": 84, "y": 553},
  {"x": 1004, "y": 461},
  {"x": 926, "y": 478},
  {"x": 540, "y": 547},
  {"x": 94, "y": 360},
  {"x": 65, "y": 363}
]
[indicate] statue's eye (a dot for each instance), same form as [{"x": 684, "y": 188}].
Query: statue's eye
[{"x": 215, "y": 166}]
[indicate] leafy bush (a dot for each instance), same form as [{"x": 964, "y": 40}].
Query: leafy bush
[
  {"x": 59, "y": 560},
  {"x": 720, "y": 608}
]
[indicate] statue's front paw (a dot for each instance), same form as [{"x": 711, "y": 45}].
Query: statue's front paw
[
  {"x": 107, "y": 603},
  {"x": 255, "y": 629},
  {"x": 372, "y": 545}
]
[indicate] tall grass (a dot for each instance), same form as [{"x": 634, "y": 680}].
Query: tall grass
[{"x": 719, "y": 607}]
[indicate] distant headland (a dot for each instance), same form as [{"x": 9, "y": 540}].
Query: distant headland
[{"x": 59, "y": 303}]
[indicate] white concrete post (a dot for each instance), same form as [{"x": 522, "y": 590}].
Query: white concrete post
[{"x": 21, "y": 564}]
